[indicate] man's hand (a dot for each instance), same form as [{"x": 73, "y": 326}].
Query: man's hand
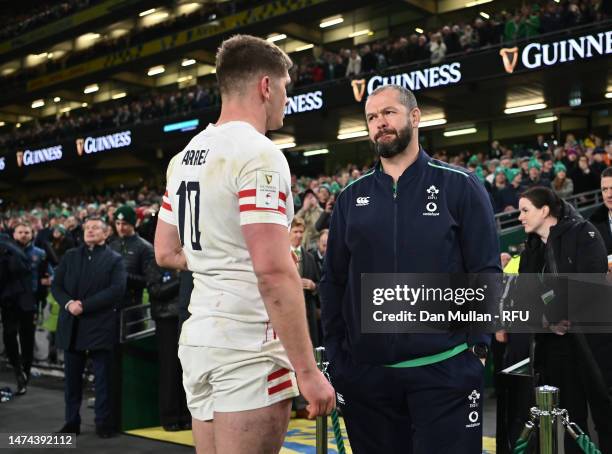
[
  {"x": 501, "y": 336},
  {"x": 75, "y": 308},
  {"x": 307, "y": 284},
  {"x": 46, "y": 281},
  {"x": 318, "y": 392}
]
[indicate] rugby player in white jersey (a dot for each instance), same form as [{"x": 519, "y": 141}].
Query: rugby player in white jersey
[{"x": 245, "y": 349}]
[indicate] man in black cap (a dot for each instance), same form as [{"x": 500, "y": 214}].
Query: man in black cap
[{"x": 136, "y": 252}]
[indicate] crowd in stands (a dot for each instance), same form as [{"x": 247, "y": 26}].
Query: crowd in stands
[
  {"x": 569, "y": 168},
  {"x": 43, "y": 13},
  {"x": 318, "y": 66},
  {"x": 138, "y": 109}
]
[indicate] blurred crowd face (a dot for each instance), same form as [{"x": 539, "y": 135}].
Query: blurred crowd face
[
  {"x": 71, "y": 223},
  {"x": 124, "y": 229},
  {"x": 344, "y": 178},
  {"x": 322, "y": 243},
  {"x": 23, "y": 235},
  {"x": 94, "y": 233},
  {"x": 534, "y": 173},
  {"x": 583, "y": 163},
  {"x": 323, "y": 195},
  {"x": 296, "y": 235},
  {"x": 606, "y": 191}
]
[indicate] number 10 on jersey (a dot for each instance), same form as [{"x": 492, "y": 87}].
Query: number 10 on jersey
[{"x": 189, "y": 194}]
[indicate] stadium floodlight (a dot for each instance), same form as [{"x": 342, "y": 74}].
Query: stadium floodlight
[
  {"x": 91, "y": 36},
  {"x": 38, "y": 103},
  {"x": 432, "y": 122},
  {"x": 285, "y": 142},
  {"x": 147, "y": 12},
  {"x": 276, "y": 37},
  {"x": 609, "y": 94},
  {"x": 352, "y": 134},
  {"x": 119, "y": 95},
  {"x": 188, "y": 62},
  {"x": 2, "y": 123},
  {"x": 524, "y": 108},
  {"x": 418, "y": 30},
  {"x": 484, "y": 15},
  {"x": 316, "y": 152},
  {"x": 91, "y": 89},
  {"x": 547, "y": 119},
  {"x": 460, "y": 132},
  {"x": 330, "y": 21},
  {"x": 184, "y": 79},
  {"x": 65, "y": 109},
  {"x": 57, "y": 99},
  {"x": 476, "y": 3},
  {"x": 155, "y": 70},
  {"x": 84, "y": 104},
  {"x": 365, "y": 31},
  {"x": 304, "y": 47},
  {"x": 18, "y": 125}
]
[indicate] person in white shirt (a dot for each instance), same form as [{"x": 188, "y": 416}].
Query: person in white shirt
[{"x": 225, "y": 217}]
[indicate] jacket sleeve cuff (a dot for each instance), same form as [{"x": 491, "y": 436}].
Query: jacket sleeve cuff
[{"x": 68, "y": 304}]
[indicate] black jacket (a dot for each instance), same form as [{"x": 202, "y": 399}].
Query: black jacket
[
  {"x": 15, "y": 277},
  {"x": 136, "y": 253},
  {"x": 600, "y": 219},
  {"x": 572, "y": 248},
  {"x": 97, "y": 278},
  {"x": 163, "y": 286}
]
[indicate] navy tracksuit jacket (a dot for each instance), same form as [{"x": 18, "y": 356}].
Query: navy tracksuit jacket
[{"x": 377, "y": 227}]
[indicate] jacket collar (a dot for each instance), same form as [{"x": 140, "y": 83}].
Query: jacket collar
[{"x": 415, "y": 169}]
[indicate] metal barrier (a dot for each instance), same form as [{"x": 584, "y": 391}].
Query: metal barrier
[
  {"x": 135, "y": 322},
  {"x": 508, "y": 221}
]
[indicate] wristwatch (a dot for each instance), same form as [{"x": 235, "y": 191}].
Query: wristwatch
[{"x": 481, "y": 351}]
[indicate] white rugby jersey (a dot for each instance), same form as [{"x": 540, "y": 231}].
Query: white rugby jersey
[{"x": 227, "y": 176}]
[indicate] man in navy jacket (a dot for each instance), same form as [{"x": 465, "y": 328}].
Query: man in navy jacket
[
  {"x": 89, "y": 284},
  {"x": 387, "y": 222}
]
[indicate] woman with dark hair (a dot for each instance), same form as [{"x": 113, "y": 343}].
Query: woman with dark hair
[{"x": 558, "y": 242}]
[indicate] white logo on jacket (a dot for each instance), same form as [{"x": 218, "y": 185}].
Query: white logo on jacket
[{"x": 362, "y": 201}]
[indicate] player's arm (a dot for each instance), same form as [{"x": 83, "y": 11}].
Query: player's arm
[
  {"x": 281, "y": 290},
  {"x": 168, "y": 250}
]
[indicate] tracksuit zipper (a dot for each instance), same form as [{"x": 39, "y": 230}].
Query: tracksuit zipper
[{"x": 395, "y": 227}]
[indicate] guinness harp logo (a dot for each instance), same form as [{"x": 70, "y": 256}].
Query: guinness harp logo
[
  {"x": 20, "y": 158},
  {"x": 506, "y": 54},
  {"x": 358, "y": 88},
  {"x": 79, "y": 146},
  {"x": 268, "y": 178}
]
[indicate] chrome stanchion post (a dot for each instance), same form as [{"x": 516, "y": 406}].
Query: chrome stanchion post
[
  {"x": 547, "y": 400},
  {"x": 321, "y": 433}
]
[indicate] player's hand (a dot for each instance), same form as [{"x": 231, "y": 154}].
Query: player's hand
[{"x": 318, "y": 392}]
